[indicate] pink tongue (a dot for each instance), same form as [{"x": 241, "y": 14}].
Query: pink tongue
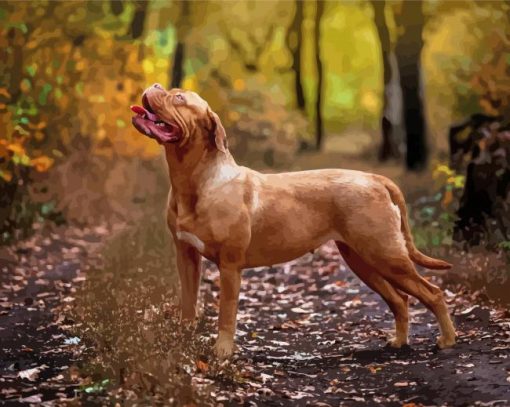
[{"x": 140, "y": 110}]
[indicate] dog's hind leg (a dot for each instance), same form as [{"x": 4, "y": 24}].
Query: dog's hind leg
[
  {"x": 397, "y": 301},
  {"x": 401, "y": 273}
]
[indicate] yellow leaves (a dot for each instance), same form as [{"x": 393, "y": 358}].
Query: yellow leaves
[
  {"x": 148, "y": 66},
  {"x": 14, "y": 154},
  {"x": 233, "y": 116},
  {"x": 458, "y": 181},
  {"x": 190, "y": 83},
  {"x": 447, "y": 177},
  {"x": 42, "y": 163},
  {"x": 80, "y": 65},
  {"x": 16, "y": 149},
  {"x": 370, "y": 101},
  {"x": 239, "y": 85},
  {"x": 442, "y": 170},
  {"x": 6, "y": 175}
]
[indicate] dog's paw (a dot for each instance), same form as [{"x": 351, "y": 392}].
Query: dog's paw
[
  {"x": 224, "y": 348},
  {"x": 445, "y": 343},
  {"x": 396, "y": 343}
]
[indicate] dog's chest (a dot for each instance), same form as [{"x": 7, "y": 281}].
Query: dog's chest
[
  {"x": 197, "y": 233},
  {"x": 191, "y": 239}
]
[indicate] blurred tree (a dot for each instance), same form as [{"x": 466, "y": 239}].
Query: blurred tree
[
  {"x": 318, "y": 101},
  {"x": 16, "y": 39},
  {"x": 294, "y": 41},
  {"x": 250, "y": 55},
  {"x": 391, "y": 121},
  {"x": 137, "y": 25},
  {"x": 116, "y": 7},
  {"x": 408, "y": 51},
  {"x": 483, "y": 208},
  {"x": 182, "y": 28}
]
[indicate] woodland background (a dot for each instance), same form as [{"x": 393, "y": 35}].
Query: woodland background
[
  {"x": 415, "y": 90},
  {"x": 394, "y": 87}
]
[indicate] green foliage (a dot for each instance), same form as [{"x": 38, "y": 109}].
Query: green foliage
[
  {"x": 96, "y": 387},
  {"x": 71, "y": 70},
  {"x": 434, "y": 217},
  {"x": 48, "y": 99},
  {"x": 262, "y": 132},
  {"x": 505, "y": 245}
]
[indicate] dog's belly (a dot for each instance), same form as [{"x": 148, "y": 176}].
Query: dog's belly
[
  {"x": 280, "y": 248},
  {"x": 288, "y": 222}
]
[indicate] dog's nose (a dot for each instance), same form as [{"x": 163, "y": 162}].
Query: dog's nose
[{"x": 158, "y": 86}]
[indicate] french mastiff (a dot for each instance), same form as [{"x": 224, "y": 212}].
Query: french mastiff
[{"x": 239, "y": 218}]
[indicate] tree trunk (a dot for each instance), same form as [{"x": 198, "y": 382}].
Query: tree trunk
[
  {"x": 408, "y": 52},
  {"x": 483, "y": 216},
  {"x": 294, "y": 39},
  {"x": 116, "y": 7},
  {"x": 318, "y": 62},
  {"x": 177, "y": 73},
  {"x": 137, "y": 25},
  {"x": 391, "y": 121},
  {"x": 16, "y": 41},
  {"x": 178, "y": 66}
]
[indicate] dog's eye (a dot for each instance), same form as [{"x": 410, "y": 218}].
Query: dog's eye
[{"x": 179, "y": 98}]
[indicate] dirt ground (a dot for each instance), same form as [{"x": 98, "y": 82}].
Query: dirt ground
[
  {"x": 78, "y": 328},
  {"x": 309, "y": 332}
]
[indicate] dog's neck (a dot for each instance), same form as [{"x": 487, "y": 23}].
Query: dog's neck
[{"x": 191, "y": 170}]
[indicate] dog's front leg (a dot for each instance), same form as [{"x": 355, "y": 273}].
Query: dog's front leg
[
  {"x": 190, "y": 266},
  {"x": 230, "y": 283}
]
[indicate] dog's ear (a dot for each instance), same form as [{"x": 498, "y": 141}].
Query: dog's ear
[{"x": 218, "y": 131}]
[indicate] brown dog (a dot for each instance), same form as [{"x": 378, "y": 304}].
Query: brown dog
[{"x": 240, "y": 218}]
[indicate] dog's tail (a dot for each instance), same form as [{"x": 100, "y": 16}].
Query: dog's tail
[{"x": 418, "y": 257}]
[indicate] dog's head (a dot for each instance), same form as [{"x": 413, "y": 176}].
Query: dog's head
[{"x": 178, "y": 117}]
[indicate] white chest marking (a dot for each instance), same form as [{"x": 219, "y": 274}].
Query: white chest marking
[
  {"x": 192, "y": 240},
  {"x": 222, "y": 174}
]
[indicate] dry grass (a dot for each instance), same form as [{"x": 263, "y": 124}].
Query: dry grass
[{"x": 128, "y": 312}]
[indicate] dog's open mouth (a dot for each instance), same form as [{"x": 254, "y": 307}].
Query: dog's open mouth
[{"x": 149, "y": 123}]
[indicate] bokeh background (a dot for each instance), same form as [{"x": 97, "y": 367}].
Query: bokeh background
[{"x": 415, "y": 90}]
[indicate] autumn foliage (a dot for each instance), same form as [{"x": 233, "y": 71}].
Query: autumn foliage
[{"x": 71, "y": 69}]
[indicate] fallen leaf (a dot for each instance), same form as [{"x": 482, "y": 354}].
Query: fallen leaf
[
  {"x": 31, "y": 374},
  {"x": 202, "y": 366}
]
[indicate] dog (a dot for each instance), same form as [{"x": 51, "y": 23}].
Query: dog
[{"x": 240, "y": 218}]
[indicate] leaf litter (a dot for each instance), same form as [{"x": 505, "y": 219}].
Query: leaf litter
[{"x": 309, "y": 331}]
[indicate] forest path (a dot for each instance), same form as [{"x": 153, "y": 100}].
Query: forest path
[
  {"x": 309, "y": 332},
  {"x": 39, "y": 277}
]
